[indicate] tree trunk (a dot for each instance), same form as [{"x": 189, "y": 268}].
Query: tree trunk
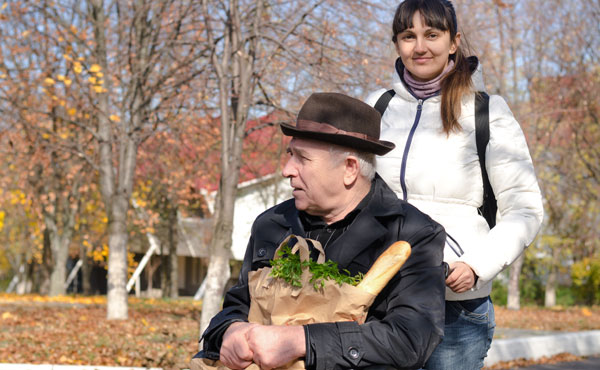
[
  {"x": 173, "y": 268},
  {"x": 46, "y": 266},
  {"x": 513, "y": 300},
  {"x": 117, "y": 263},
  {"x": 550, "y": 293},
  {"x": 216, "y": 277},
  {"x": 85, "y": 270},
  {"x": 60, "y": 251}
]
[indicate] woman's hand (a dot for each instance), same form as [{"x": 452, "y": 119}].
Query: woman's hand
[{"x": 461, "y": 277}]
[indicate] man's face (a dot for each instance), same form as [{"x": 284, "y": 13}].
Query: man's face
[{"x": 317, "y": 178}]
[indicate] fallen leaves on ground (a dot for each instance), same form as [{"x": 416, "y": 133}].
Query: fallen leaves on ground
[
  {"x": 566, "y": 319},
  {"x": 515, "y": 364},
  {"x": 73, "y": 330},
  {"x": 549, "y": 319}
]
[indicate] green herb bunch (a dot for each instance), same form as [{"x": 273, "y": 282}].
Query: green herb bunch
[{"x": 289, "y": 268}]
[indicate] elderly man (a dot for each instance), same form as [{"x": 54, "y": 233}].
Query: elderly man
[{"x": 340, "y": 201}]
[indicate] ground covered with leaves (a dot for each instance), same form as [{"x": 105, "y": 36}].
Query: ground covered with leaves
[{"x": 164, "y": 333}]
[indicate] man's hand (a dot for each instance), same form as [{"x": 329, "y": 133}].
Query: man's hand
[
  {"x": 461, "y": 277},
  {"x": 274, "y": 346},
  {"x": 235, "y": 351}
]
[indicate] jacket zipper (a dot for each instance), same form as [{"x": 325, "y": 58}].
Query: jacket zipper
[
  {"x": 450, "y": 241},
  {"x": 407, "y": 148}
]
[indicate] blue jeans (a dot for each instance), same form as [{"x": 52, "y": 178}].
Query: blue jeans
[{"x": 467, "y": 336}]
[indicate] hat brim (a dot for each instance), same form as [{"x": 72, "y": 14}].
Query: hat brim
[{"x": 379, "y": 147}]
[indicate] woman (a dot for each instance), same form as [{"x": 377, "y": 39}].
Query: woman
[{"x": 435, "y": 166}]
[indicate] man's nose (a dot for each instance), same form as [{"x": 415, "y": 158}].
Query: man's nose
[{"x": 288, "y": 169}]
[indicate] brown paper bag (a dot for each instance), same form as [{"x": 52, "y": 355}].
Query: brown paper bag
[{"x": 275, "y": 302}]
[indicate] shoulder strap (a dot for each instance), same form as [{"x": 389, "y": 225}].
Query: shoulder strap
[
  {"x": 384, "y": 100},
  {"x": 482, "y": 137}
]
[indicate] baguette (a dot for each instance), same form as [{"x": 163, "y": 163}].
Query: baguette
[{"x": 385, "y": 267}]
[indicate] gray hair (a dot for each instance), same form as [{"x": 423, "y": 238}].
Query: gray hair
[{"x": 366, "y": 161}]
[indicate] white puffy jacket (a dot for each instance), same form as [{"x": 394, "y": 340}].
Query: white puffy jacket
[{"x": 441, "y": 175}]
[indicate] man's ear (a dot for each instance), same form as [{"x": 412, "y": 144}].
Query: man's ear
[{"x": 351, "y": 170}]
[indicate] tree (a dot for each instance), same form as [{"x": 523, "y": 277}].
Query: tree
[{"x": 134, "y": 64}]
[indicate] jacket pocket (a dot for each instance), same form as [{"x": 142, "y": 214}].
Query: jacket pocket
[{"x": 263, "y": 253}]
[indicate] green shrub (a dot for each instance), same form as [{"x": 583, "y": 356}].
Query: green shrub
[
  {"x": 499, "y": 293},
  {"x": 531, "y": 286},
  {"x": 585, "y": 275},
  {"x": 565, "y": 296}
]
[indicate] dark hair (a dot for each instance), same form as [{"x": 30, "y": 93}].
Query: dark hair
[{"x": 440, "y": 14}]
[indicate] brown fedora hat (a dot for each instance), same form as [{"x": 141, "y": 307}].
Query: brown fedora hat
[{"x": 341, "y": 120}]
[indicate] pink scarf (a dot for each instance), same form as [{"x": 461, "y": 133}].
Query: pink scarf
[{"x": 429, "y": 88}]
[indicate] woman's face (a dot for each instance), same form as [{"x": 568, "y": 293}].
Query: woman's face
[{"x": 425, "y": 50}]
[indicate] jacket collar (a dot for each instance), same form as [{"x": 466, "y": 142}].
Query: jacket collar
[
  {"x": 365, "y": 229},
  {"x": 400, "y": 87}
]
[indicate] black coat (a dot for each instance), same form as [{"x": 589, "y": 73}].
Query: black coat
[{"x": 405, "y": 322}]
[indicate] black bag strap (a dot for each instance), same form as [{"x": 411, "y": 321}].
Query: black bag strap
[
  {"x": 482, "y": 136},
  {"x": 384, "y": 100}
]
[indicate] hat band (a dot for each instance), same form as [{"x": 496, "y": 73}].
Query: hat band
[{"x": 326, "y": 128}]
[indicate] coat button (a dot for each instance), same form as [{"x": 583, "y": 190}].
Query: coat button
[
  {"x": 261, "y": 252},
  {"x": 353, "y": 353}
]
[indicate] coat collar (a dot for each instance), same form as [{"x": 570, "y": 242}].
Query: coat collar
[
  {"x": 400, "y": 87},
  {"x": 364, "y": 230}
]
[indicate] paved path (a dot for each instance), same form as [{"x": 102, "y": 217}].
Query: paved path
[
  {"x": 528, "y": 345},
  {"x": 592, "y": 363}
]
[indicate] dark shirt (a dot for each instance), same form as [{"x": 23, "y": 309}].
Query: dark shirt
[{"x": 316, "y": 228}]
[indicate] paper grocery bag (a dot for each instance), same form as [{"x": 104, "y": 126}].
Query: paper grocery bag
[{"x": 275, "y": 302}]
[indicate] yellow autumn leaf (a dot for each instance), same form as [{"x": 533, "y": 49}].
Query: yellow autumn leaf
[
  {"x": 77, "y": 67},
  {"x": 67, "y": 81},
  {"x": 64, "y": 135},
  {"x": 67, "y": 57},
  {"x": 25, "y": 33},
  {"x": 99, "y": 89},
  {"x": 60, "y": 77},
  {"x": 99, "y": 74},
  {"x": 4, "y": 6},
  {"x": 48, "y": 81},
  {"x": 586, "y": 312},
  {"x": 115, "y": 118},
  {"x": 95, "y": 68},
  {"x": 45, "y": 136},
  {"x": 7, "y": 315},
  {"x": 3, "y": 75},
  {"x": 92, "y": 79},
  {"x": 144, "y": 322},
  {"x": 71, "y": 111}
]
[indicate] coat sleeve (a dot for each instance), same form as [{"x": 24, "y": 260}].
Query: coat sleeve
[
  {"x": 404, "y": 324},
  {"x": 512, "y": 176}
]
